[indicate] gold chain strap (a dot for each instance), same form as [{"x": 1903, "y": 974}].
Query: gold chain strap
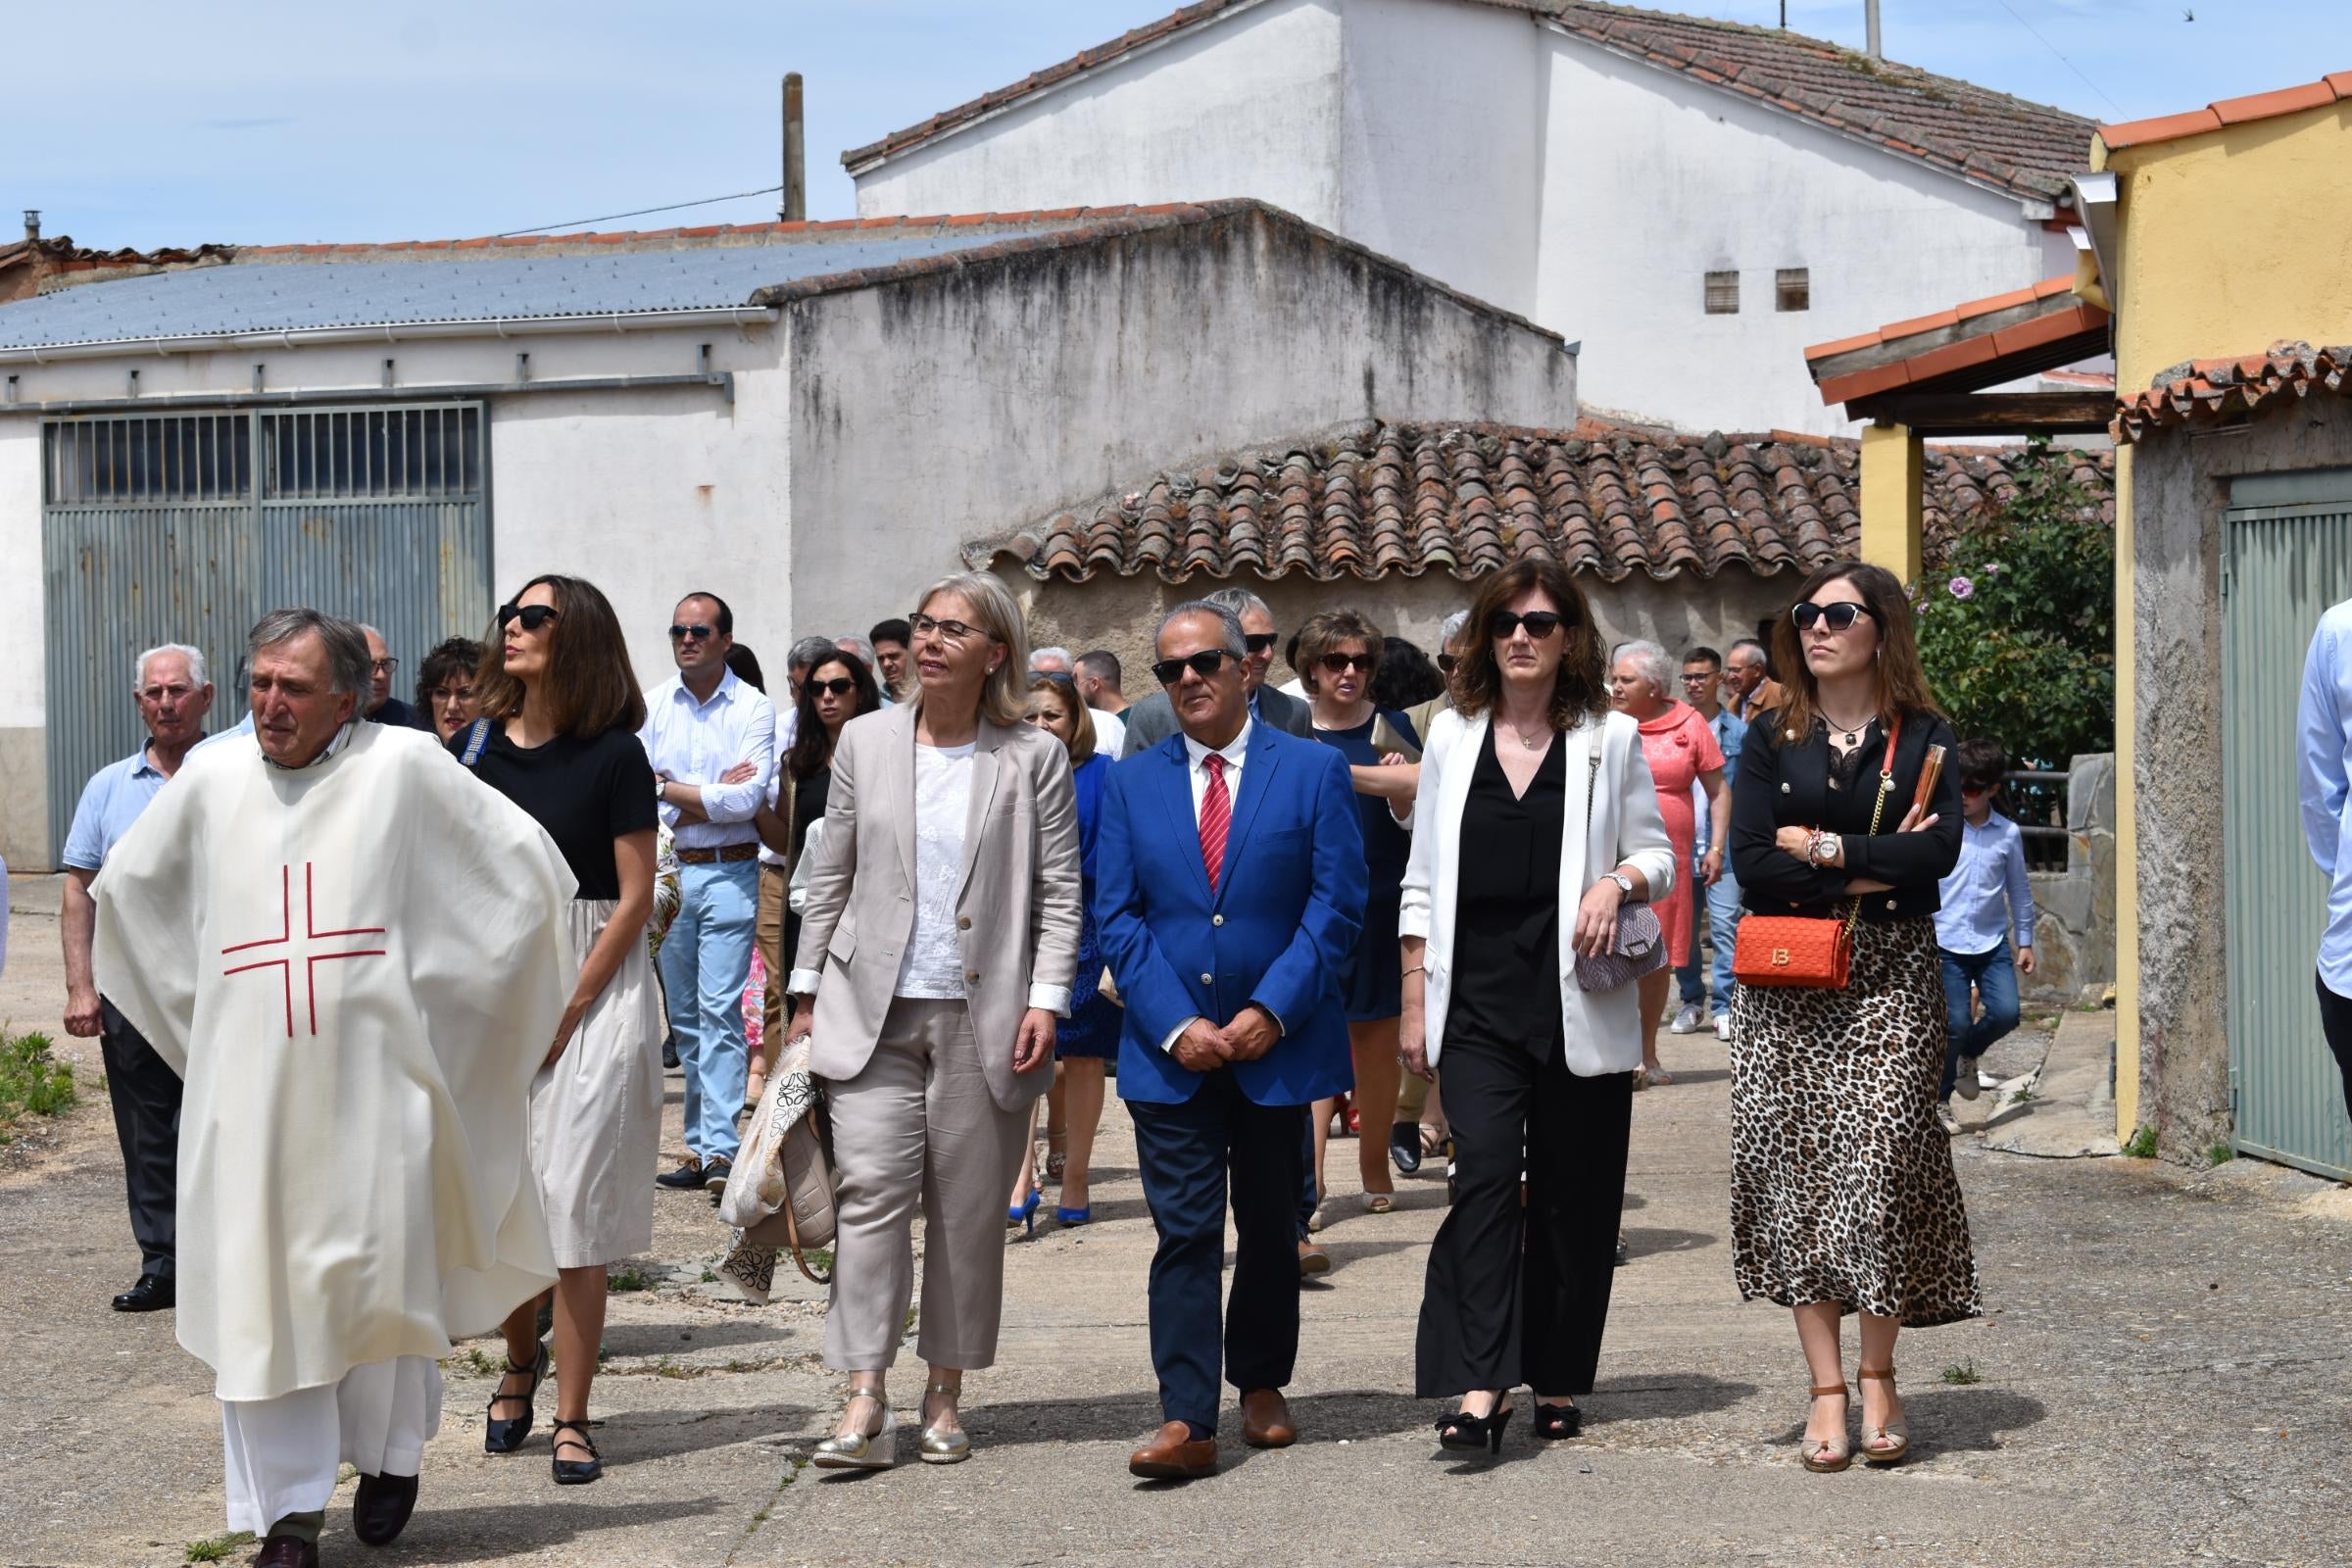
[{"x": 1877, "y": 812}]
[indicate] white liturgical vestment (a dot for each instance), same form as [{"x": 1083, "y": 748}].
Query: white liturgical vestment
[{"x": 357, "y": 967}]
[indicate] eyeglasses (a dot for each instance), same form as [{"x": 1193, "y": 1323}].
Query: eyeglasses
[
  {"x": 1839, "y": 616},
  {"x": 1697, "y": 678},
  {"x": 1341, "y": 663},
  {"x": 696, "y": 633},
  {"x": 383, "y": 667},
  {"x": 533, "y": 616},
  {"x": 952, "y": 631},
  {"x": 1206, "y": 664},
  {"x": 1540, "y": 623},
  {"x": 837, "y": 686},
  {"x": 1258, "y": 642}
]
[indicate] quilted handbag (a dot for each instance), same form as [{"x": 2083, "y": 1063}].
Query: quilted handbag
[
  {"x": 1639, "y": 946},
  {"x": 780, "y": 1193},
  {"x": 1811, "y": 951}
]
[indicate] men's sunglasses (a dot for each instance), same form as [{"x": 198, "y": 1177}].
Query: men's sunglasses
[
  {"x": 1060, "y": 677},
  {"x": 1839, "y": 616},
  {"x": 1540, "y": 623},
  {"x": 694, "y": 633},
  {"x": 1258, "y": 642},
  {"x": 1341, "y": 663},
  {"x": 837, "y": 686},
  {"x": 1204, "y": 664},
  {"x": 533, "y": 616}
]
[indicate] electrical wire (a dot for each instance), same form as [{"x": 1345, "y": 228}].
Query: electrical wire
[
  {"x": 2062, "y": 60},
  {"x": 674, "y": 207}
]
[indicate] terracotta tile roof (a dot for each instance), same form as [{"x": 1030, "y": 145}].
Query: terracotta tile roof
[
  {"x": 1999, "y": 333},
  {"x": 1466, "y": 498},
  {"x": 2026, "y": 148},
  {"x": 2329, "y": 89},
  {"x": 2227, "y": 391}
]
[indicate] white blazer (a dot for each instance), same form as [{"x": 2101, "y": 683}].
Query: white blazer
[{"x": 1603, "y": 1029}]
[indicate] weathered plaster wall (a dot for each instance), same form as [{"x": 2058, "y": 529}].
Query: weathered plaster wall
[
  {"x": 2073, "y": 935},
  {"x": 23, "y": 754},
  {"x": 2179, "y": 493},
  {"x": 963, "y": 404}
]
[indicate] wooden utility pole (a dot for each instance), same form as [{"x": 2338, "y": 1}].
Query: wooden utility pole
[{"x": 795, "y": 177}]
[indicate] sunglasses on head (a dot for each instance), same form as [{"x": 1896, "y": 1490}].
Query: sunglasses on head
[
  {"x": 1258, "y": 642},
  {"x": 1204, "y": 664},
  {"x": 837, "y": 686},
  {"x": 1839, "y": 616},
  {"x": 1341, "y": 663},
  {"x": 1060, "y": 677},
  {"x": 532, "y": 616},
  {"x": 1540, "y": 623},
  {"x": 696, "y": 633}
]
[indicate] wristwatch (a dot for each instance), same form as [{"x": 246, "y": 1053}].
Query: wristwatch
[
  {"x": 1624, "y": 883},
  {"x": 1832, "y": 851}
]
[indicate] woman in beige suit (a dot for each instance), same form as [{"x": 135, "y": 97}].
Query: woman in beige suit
[{"x": 937, "y": 949}]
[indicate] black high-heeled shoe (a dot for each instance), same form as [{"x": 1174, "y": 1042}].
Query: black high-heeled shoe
[
  {"x": 1464, "y": 1432},
  {"x": 575, "y": 1472},
  {"x": 1554, "y": 1422},
  {"x": 506, "y": 1436}
]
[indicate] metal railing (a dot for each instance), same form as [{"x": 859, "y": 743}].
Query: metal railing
[{"x": 2035, "y": 801}]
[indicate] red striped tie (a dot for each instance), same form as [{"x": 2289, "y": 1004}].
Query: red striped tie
[{"x": 1216, "y": 817}]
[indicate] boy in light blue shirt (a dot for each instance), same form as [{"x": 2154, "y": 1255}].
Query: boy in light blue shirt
[{"x": 1985, "y": 898}]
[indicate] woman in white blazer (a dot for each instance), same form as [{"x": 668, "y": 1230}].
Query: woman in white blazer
[{"x": 1536, "y": 821}]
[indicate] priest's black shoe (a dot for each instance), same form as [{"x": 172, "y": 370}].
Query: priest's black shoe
[
  {"x": 380, "y": 1509},
  {"x": 669, "y": 1053},
  {"x": 286, "y": 1551},
  {"x": 153, "y": 1294}
]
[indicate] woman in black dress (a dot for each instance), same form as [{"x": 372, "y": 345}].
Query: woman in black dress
[
  {"x": 1535, "y": 819},
  {"x": 1843, "y": 1194}
]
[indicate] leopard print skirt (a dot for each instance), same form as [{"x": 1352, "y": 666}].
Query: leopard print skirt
[{"x": 1842, "y": 1181}]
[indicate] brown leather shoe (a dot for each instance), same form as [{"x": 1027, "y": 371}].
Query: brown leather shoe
[
  {"x": 1172, "y": 1455},
  {"x": 286, "y": 1551},
  {"x": 1312, "y": 1260},
  {"x": 1266, "y": 1419}
]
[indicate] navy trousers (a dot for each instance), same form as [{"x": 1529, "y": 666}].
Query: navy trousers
[{"x": 1192, "y": 1154}]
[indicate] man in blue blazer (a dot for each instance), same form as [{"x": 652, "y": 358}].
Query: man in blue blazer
[{"x": 1230, "y": 886}]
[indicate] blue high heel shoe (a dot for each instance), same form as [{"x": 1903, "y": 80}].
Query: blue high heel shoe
[
  {"x": 1073, "y": 1216},
  {"x": 1024, "y": 1217}
]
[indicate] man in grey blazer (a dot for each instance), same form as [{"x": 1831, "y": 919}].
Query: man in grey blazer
[{"x": 1152, "y": 720}]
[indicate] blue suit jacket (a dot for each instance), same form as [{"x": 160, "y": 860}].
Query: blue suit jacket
[{"x": 1280, "y": 930}]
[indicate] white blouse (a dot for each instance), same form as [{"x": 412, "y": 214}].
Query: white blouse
[{"x": 933, "y": 967}]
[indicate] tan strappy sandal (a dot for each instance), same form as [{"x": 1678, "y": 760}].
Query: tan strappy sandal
[
  {"x": 1889, "y": 1443},
  {"x": 1826, "y": 1455}
]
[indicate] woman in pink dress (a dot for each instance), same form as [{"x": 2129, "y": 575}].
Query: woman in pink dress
[{"x": 1681, "y": 749}]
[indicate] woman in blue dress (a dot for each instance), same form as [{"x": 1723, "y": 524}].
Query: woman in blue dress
[
  {"x": 1339, "y": 656},
  {"x": 1089, "y": 1037}
]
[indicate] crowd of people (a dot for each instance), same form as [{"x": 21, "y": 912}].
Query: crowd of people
[{"x": 969, "y": 878}]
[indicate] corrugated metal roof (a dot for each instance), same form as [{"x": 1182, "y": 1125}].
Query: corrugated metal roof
[{"x": 233, "y": 299}]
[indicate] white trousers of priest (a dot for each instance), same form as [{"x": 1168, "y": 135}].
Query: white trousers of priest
[{"x": 282, "y": 1455}]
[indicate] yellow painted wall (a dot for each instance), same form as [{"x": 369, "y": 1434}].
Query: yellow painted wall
[
  {"x": 2229, "y": 241},
  {"x": 1894, "y": 479}
]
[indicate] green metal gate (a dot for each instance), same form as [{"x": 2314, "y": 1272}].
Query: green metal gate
[
  {"x": 184, "y": 527},
  {"x": 2286, "y": 556}
]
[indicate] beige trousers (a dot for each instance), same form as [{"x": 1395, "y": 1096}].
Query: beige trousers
[
  {"x": 919, "y": 1127},
  {"x": 768, "y": 934}
]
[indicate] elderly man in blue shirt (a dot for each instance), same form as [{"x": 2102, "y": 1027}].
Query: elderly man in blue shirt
[
  {"x": 712, "y": 738},
  {"x": 2325, "y": 774},
  {"x": 1985, "y": 898},
  {"x": 1702, "y": 689},
  {"x": 169, "y": 685}
]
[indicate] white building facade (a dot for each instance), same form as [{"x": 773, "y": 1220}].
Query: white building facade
[{"x": 1696, "y": 202}]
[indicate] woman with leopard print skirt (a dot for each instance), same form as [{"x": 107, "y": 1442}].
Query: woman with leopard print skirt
[{"x": 1844, "y": 1198}]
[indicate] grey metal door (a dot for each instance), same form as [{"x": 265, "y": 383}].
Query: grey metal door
[
  {"x": 2287, "y": 557},
  {"x": 186, "y": 526}
]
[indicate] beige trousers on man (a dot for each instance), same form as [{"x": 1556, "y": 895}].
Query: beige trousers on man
[
  {"x": 919, "y": 1127},
  {"x": 768, "y": 935}
]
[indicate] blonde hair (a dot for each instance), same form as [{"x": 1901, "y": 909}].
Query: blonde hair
[
  {"x": 1062, "y": 689},
  {"x": 1005, "y": 697}
]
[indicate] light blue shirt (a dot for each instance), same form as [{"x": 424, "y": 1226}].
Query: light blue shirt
[
  {"x": 111, "y": 802},
  {"x": 1987, "y": 891},
  {"x": 1731, "y": 733},
  {"x": 2323, "y": 763},
  {"x": 695, "y": 742}
]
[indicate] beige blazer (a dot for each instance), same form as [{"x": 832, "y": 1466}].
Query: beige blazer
[{"x": 1017, "y": 910}]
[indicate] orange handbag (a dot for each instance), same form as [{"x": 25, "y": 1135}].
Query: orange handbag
[{"x": 1790, "y": 949}]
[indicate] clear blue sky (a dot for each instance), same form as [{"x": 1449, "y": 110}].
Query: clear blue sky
[{"x": 141, "y": 122}]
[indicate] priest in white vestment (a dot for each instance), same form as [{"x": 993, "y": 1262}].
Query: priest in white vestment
[{"x": 356, "y": 958}]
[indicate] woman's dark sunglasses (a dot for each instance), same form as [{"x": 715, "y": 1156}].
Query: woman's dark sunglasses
[
  {"x": 1838, "y": 617},
  {"x": 1204, "y": 664},
  {"x": 697, "y": 631},
  {"x": 532, "y": 616},
  {"x": 1540, "y": 623},
  {"x": 837, "y": 686},
  {"x": 1446, "y": 663},
  {"x": 1341, "y": 663}
]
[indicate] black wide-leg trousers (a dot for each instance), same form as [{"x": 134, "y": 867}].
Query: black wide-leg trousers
[{"x": 1521, "y": 1294}]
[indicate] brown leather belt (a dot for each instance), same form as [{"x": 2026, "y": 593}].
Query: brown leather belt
[{"x": 726, "y": 852}]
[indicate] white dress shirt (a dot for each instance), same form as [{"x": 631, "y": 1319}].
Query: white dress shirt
[
  {"x": 932, "y": 967},
  {"x": 1111, "y": 733},
  {"x": 695, "y": 742},
  {"x": 1234, "y": 752},
  {"x": 787, "y": 729},
  {"x": 2323, "y": 769}
]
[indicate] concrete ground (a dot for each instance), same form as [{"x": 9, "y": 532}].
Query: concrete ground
[{"x": 2160, "y": 1379}]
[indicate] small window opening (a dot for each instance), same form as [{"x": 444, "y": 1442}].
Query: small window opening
[
  {"x": 1723, "y": 293},
  {"x": 1792, "y": 288}
]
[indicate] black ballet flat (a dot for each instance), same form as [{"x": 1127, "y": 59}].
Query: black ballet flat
[
  {"x": 1463, "y": 1432},
  {"x": 1553, "y": 1422},
  {"x": 505, "y": 1437},
  {"x": 575, "y": 1472}
]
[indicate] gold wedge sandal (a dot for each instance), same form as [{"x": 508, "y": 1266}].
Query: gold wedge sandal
[
  {"x": 1828, "y": 1455},
  {"x": 1889, "y": 1443}
]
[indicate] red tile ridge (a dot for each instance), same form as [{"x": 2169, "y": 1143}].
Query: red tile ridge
[
  {"x": 2335, "y": 87},
  {"x": 2277, "y": 101},
  {"x": 1844, "y": 345}
]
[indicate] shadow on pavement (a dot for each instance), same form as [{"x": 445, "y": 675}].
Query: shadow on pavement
[
  {"x": 667, "y": 1338},
  {"x": 1643, "y": 1243},
  {"x": 491, "y": 1534}
]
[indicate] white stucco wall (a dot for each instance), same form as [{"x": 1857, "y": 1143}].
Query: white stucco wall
[
  {"x": 24, "y": 757},
  {"x": 1671, "y": 179},
  {"x": 1248, "y": 106},
  {"x": 969, "y": 404}
]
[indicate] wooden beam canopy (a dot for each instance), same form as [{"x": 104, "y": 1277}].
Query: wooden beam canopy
[{"x": 1950, "y": 414}]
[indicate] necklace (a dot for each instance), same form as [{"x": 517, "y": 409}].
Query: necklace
[
  {"x": 1851, "y": 733},
  {"x": 1541, "y": 740}
]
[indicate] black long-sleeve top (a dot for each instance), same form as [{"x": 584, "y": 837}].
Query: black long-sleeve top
[{"x": 1786, "y": 783}]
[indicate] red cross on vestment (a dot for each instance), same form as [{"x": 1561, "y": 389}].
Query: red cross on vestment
[{"x": 305, "y": 954}]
